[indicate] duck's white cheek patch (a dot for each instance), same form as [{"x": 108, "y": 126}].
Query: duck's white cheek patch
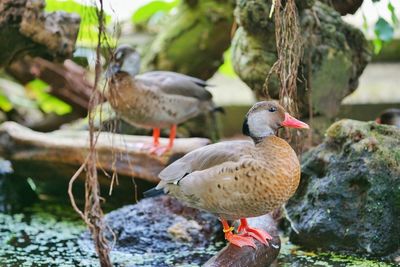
[
  {"x": 118, "y": 55},
  {"x": 258, "y": 123}
]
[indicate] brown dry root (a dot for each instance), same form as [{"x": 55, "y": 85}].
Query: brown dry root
[
  {"x": 289, "y": 49},
  {"x": 93, "y": 213}
]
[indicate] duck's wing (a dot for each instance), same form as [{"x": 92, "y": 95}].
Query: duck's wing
[
  {"x": 176, "y": 84},
  {"x": 204, "y": 158}
]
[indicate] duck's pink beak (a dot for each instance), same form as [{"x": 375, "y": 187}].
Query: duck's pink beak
[{"x": 293, "y": 123}]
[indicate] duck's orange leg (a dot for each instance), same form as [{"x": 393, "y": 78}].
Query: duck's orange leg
[
  {"x": 237, "y": 240},
  {"x": 256, "y": 233},
  {"x": 172, "y": 135},
  {"x": 159, "y": 150},
  {"x": 156, "y": 137},
  {"x": 153, "y": 146}
]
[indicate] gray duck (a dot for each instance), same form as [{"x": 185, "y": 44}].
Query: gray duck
[{"x": 155, "y": 99}]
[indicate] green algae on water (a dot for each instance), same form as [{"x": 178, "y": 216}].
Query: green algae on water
[{"x": 292, "y": 256}]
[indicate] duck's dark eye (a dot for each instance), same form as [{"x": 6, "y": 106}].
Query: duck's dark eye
[{"x": 272, "y": 109}]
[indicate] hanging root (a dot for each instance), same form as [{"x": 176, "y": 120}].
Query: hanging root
[
  {"x": 289, "y": 49},
  {"x": 289, "y": 46},
  {"x": 93, "y": 214}
]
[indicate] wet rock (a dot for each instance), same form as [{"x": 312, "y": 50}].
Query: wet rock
[
  {"x": 349, "y": 196},
  {"x": 162, "y": 232}
]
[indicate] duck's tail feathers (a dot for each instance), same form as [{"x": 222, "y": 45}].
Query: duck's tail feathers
[{"x": 153, "y": 192}]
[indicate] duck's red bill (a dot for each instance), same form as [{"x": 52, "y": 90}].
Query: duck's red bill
[{"x": 294, "y": 123}]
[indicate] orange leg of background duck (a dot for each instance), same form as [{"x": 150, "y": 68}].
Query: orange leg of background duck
[{"x": 156, "y": 148}]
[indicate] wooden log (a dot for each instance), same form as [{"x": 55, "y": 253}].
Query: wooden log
[
  {"x": 33, "y": 152},
  {"x": 261, "y": 256},
  {"x": 67, "y": 81}
]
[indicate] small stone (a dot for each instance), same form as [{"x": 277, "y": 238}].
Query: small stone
[{"x": 183, "y": 230}]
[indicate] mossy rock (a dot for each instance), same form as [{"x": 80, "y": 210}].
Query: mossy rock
[
  {"x": 337, "y": 51},
  {"x": 349, "y": 196},
  {"x": 193, "y": 39}
]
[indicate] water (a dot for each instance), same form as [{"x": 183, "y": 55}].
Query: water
[{"x": 47, "y": 232}]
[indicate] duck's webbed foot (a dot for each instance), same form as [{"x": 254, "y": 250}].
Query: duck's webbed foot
[
  {"x": 155, "y": 148},
  {"x": 255, "y": 233},
  {"x": 159, "y": 150},
  {"x": 237, "y": 239}
]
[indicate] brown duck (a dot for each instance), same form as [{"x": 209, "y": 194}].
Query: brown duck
[
  {"x": 156, "y": 99},
  {"x": 240, "y": 179}
]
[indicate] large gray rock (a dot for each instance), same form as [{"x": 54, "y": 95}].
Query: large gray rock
[
  {"x": 349, "y": 196},
  {"x": 162, "y": 232}
]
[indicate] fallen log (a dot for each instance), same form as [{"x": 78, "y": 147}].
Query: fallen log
[
  {"x": 60, "y": 153},
  {"x": 67, "y": 81},
  {"x": 261, "y": 256}
]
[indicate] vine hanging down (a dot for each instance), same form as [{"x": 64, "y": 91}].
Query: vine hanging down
[
  {"x": 289, "y": 49},
  {"x": 93, "y": 214}
]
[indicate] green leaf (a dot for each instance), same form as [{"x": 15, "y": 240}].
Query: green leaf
[
  {"x": 392, "y": 11},
  {"x": 227, "y": 68},
  {"x": 16, "y": 95},
  {"x": 383, "y": 30},
  {"x": 5, "y": 103},
  {"x": 88, "y": 30},
  {"x": 377, "y": 45},
  {"x": 37, "y": 85},
  {"x": 47, "y": 102},
  {"x": 88, "y": 36},
  {"x": 365, "y": 22},
  {"x": 87, "y": 13},
  {"x": 145, "y": 12}
]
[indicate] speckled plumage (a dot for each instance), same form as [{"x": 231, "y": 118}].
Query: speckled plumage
[
  {"x": 235, "y": 179},
  {"x": 158, "y": 99}
]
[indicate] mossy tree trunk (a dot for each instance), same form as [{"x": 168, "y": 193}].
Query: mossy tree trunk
[
  {"x": 335, "y": 54},
  {"x": 194, "y": 39},
  {"x": 26, "y": 29}
]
